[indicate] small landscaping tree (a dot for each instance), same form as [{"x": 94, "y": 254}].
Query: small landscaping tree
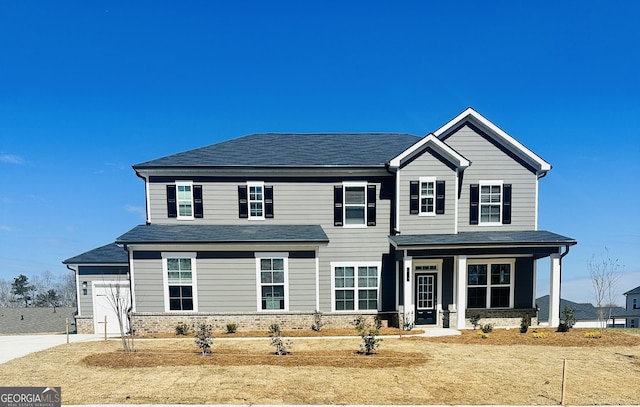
[
  {"x": 568, "y": 321},
  {"x": 317, "y": 321},
  {"x": 369, "y": 334},
  {"x": 282, "y": 347},
  {"x": 204, "y": 338}
]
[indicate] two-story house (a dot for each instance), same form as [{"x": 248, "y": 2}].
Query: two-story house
[
  {"x": 632, "y": 313},
  {"x": 273, "y": 227}
]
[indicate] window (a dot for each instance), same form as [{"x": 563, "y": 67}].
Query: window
[
  {"x": 255, "y": 201},
  {"x": 635, "y": 303},
  {"x": 354, "y": 204},
  {"x": 355, "y": 287},
  {"x": 427, "y": 197},
  {"x": 272, "y": 278},
  {"x": 490, "y": 285},
  {"x": 179, "y": 272},
  {"x": 490, "y": 203},
  {"x": 184, "y": 200}
]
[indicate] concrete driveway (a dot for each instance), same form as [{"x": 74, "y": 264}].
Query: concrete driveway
[{"x": 17, "y": 346}]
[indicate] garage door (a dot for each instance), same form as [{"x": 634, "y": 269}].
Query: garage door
[{"x": 105, "y": 295}]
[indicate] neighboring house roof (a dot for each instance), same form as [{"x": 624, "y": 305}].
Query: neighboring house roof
[
  {"x": 496, "y": 134},
  {"x": 36, "y": 320},
  {"x": 634, "y": 291},
  {"x": 292, "y": 150},
  {"x": 224, "y": 234},
  {"x": 583, "y": 311},
  {"x": 107, "y": 254},
  {"x": 484, "y": 239}
]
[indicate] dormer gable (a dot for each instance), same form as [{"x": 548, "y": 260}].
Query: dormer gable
[
  {"x": 496, "y": 135},
  {"x": 430, "y": 141}
]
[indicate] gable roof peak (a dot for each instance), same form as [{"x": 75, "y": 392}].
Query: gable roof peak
[{"x": 496, "y": 133}]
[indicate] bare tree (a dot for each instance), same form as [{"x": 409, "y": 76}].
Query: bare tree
[
  {"x": 605, "y": 274},
  {"x": 7, "y": 298},
  {"x": 119, "y": 298},
  {"x": 66, "y": 289}
]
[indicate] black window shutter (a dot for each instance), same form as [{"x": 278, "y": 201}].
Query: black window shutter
[
  {"x": 197, "y": 201},
  {"x": 506, "y": 204},
  {"x": 414, "y": 197},
  {"x": 243, "y": 206},
  {"x": 440, "y": 197},
  {"x": 474, "y": 208},
  {"x": 337, "y": 205},
  {"x": 268, "y": 201},
  {"x": 371, "y": 205},
  {"x": 172, "y": 209}
]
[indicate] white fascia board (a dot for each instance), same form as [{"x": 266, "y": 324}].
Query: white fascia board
[
  {"x": 438, "y": 144},
  {"x": 498, "y": 133}
]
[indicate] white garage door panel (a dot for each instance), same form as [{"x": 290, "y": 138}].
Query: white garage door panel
[{"x": 103, "y": 306}]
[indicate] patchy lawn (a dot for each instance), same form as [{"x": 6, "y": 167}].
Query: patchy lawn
[{"x": 505, "y": 368}]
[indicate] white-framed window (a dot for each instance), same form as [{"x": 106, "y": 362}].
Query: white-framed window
[
  {"x": 355, "y": 286},
  {"x": 184, "y": 199},
  {"x": 355, "y": 204},
  {"x": 427, "y": 196},
  {"x": 490, "y": 202},
  {"x": 490, "y": 283},
  {"x": 273, "y": 281},
  {"x": 256, "y": 199},
  {"x": 179, "y": 275}
]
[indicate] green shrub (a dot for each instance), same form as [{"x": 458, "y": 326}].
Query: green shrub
[
  {"x": 231, "y": 328},
  {"x": 182, "y": 329},
  {"x": 525, "y": 323},
  {"x": 486, "y": 328},
  {"x": 475, "y": 320},
  {"x": 317, "y": 321}
]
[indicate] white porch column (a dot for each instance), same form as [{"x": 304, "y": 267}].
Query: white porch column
[
  {"x": 408, "y": 290},
  {"x": 554, "y": 291},
  {"x": 461, "y": 291}
]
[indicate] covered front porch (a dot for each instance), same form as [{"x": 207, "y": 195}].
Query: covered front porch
[{"x": 448, "y": 280}]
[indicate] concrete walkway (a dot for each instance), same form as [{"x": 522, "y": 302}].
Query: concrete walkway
[{"x": 17, "y": 346}]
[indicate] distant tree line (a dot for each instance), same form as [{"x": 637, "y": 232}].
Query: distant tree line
[{"x": 43, "y": 290}]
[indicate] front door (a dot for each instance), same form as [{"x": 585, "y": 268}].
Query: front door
[{"x": 426, "y": 299}]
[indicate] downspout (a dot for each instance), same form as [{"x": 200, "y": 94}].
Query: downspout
[
  {"x": 146, "y": 197},
  {"x": 394, "y": 207},
  {"x": 75, "y": 272}
]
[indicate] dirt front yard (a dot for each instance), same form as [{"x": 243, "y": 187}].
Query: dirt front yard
[{"x": 505, "y": 368}]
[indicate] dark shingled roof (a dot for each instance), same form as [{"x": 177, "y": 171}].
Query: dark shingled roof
[
  {"x": 224, "y": 234},
  {"x": 501, "y": 238},
  {"x": 107, "y": 254},
  {"x": 36, "y": 320},
  {"x": 293, "y": 150},
  {"x": 583, "y": 311},
  {"x": 634, "y": 291}
]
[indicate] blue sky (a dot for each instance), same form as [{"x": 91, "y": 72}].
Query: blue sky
[{"x": 88, "y": 89}]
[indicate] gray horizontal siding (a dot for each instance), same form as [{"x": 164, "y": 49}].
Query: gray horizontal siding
[
  {"x": 491, "y": 163},
  {"x": 427, "y": 166},
  {"x": 302, "y": 284},
  {"x": 148, "y": 285},
  {"x": 226, "y": 285}
]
